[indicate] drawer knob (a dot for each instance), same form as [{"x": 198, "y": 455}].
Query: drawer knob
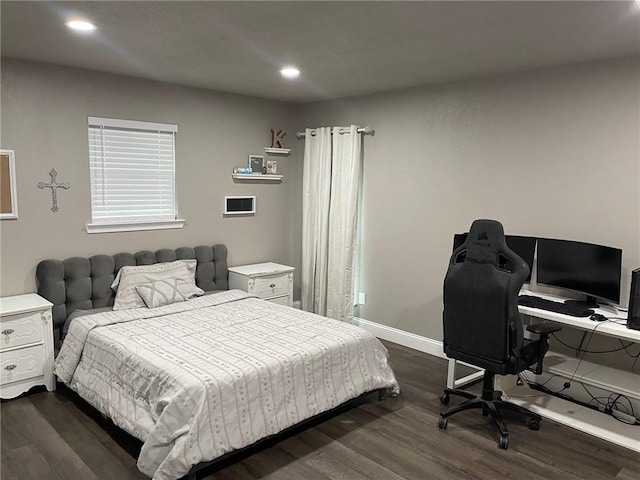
[
  {"x": 7, "y": 331},
  {"x": 273, "y": 285},
  {"x": 10, "y": 367}
]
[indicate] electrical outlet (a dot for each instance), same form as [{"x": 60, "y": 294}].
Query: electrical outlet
[{"x": 362, "y": 298}]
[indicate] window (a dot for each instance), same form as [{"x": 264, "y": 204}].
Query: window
[{"x": 132, "y": 168}]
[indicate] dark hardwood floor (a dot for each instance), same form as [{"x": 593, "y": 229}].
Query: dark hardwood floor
[{"x": 57, "y": 436}]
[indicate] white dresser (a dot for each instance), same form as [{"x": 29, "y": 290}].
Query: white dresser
[
  {"x": 271, "y": 281},
  {"x": 26, "y": 344}
]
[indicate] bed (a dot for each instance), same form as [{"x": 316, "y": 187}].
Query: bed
[{"x": 210, "y": 372}]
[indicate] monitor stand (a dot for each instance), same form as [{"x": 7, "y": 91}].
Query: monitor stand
[{"x": 590, "y": 302}]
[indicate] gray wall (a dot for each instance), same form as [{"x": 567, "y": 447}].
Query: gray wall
[
  {"x": 551, "y": 153},
  {"x": 44, "y": 119}
]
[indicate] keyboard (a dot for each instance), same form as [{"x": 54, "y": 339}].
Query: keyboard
[{"x": 557, "y": 307}]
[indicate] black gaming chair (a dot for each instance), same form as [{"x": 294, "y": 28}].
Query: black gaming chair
[{"x": 482, "y": 325}]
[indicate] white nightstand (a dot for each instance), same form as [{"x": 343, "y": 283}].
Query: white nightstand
[
  {"x": 271, "y": 281},
  {"x": 26, "y": 344}
]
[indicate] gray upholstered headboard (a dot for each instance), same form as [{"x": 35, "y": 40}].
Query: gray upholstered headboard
[{"x": 85, "y": 283}]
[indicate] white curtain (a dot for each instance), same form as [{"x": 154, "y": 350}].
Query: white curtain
[{"x": 331, "y": 184}]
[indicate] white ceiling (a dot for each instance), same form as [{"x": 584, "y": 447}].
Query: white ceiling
[{"x": 342, "y": 48}]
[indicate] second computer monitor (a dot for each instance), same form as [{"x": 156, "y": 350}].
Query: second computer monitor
[
  {"x": 524, "y": 247},
  {"x": 593, "y": 270}
]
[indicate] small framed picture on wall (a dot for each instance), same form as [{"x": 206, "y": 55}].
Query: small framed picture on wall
[
  {"x": 256, "y": 163},
  {"x": 8, "y": 196}
]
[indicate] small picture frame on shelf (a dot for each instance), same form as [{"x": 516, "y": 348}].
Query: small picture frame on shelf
[
  {"x": 256, "y": 163},
  {"x": 272, "y": 167}
]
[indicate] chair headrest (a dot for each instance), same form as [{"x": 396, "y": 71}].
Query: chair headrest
[{"x": 485, "y": 241}]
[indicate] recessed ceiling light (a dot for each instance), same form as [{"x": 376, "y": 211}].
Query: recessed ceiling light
[
  {"x": 81, "y": 25},
  {"x": 290, "y": 72}
]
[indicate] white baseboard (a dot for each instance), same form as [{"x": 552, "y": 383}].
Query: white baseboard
[{"x": 406, "y": 339}]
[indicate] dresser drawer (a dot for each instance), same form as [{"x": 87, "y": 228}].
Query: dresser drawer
[
  {"x": 280, "y": 300},
  {"x": 271, "y": 286},
  {"x": 21, "y": 364},
  {"x": 20, "y": 329}
]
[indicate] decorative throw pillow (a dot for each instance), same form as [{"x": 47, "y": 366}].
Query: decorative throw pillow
[
  {"x": 161, "y": 292},
  {"x": 130, "y": 276},
  {"x": 190, "y": 264}
]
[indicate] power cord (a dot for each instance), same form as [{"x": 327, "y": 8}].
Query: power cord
[
  {"x": 580, "y": 350},
  {"x": 612, "y": 406},
  {"x": 567, "y": 385},
  {"x": 577, "y": 349},
  {"x": 615, "y": 408}
]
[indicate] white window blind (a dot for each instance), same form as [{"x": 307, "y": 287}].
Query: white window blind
[{"x": 132, "y": 167}]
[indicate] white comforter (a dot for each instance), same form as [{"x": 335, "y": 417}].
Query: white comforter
[{"x": 197, "y": 379}]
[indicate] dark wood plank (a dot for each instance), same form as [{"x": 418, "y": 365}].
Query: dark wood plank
[
  {"x": 335, "y": 459},
  {"x": 88, "y": 439},
  {"x": 27, "y": 435},
  {"x": 55, "y": 435},
  {"x": 26, "y": 463}
]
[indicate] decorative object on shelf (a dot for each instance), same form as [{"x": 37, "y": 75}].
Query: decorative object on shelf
[
  {"x": 277, "y": 135},
  {"x": 8, "y": 194},
  {"x": 242, "y": 170},
  {"x": 272, "y": 167},
  {"x": 54, "y": 186},
  {"x": 256, "y": 163}
]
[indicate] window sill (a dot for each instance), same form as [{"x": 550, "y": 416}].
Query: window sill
[{"x": 134, "y": 227}]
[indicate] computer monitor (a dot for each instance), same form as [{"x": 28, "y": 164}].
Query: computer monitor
[
  {"x": 593, "y": 270},
  {"x": 524, "y": 247}
]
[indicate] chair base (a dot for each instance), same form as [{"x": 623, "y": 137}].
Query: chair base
[{"x": 491, "y": 403}]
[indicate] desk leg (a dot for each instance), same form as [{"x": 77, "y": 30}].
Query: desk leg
[{"x": 461, "y": 382}]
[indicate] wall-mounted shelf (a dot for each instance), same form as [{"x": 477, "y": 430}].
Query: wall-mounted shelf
[
  {"x": 256, "y": 177},
  {"x": 277, "y": 151}
]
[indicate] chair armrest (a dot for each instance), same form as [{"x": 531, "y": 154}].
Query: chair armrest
[{"x": 544, "y": 328}]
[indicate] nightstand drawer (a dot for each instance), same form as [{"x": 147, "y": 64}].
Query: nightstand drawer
[
  {"x": 280, "y": 300},
  {"x": 21, "y": 364},
  {"x": 20, "y": 329},
  {"x": 271, "y": 286}
]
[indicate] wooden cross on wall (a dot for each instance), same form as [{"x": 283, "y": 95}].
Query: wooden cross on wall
[{"x": 54, "y": 186}]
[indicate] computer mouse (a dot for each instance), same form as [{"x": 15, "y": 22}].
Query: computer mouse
[{"x": 597, "y": 317}]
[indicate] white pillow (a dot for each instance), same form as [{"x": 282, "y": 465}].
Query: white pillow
[
  {"x": 128, "y": 277},
  {"x": 190, "y": 264},
  {"x": 161, "y": 292}
]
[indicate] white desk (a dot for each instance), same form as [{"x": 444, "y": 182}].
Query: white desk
[
  {"x": 609, "y": 379},
  {"x": 563, "y": 411},
  {"x": 609, "y": 328}
]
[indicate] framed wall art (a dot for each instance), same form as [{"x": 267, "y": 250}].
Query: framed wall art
[
  {"x": 256, "y": 163},
  {"x": 8, "y": 194}
]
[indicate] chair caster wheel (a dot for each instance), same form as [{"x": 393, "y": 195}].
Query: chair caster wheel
[
  {"x": 442, "y": 423},
  {"x": 503, "y": 443},
  {"x": 533, "y": 424},
  {"x": 445, "y": 398}
]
